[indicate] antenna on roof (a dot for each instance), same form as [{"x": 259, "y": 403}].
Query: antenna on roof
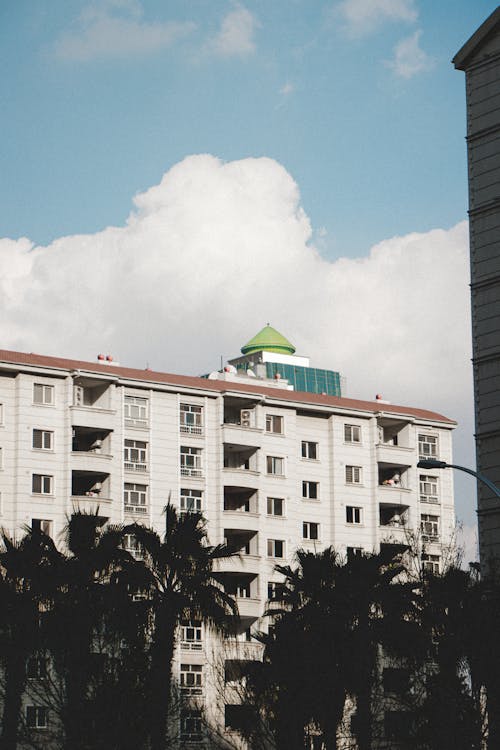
[{"x": 221, "y": 362}]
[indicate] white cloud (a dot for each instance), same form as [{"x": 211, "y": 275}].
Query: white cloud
[
  {"x": 365, "y": 16},
  {"x": 216, "y": 250},
  {"x": 236, "y": 35},
  {"x": 287, "y": 89},
  {"x": 409, "y": 58},
  {"x": 114, "y": 29}
]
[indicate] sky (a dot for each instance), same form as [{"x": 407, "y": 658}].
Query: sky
[{"x": 173, "y": 175}]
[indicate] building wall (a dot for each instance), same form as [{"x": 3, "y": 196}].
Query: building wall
[{"x": 481, "y": 63}]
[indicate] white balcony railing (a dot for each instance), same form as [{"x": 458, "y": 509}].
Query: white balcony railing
[
  {"x": 191, "y": 429},
  {"x": 140, "y": 509},
  {"x": 133, "y": 466},
  {"x": 190, "y": 472}
]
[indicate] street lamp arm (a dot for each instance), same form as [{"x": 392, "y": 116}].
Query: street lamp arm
[{"x": 432, "y": 463}]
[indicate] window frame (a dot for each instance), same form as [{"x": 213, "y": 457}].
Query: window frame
[
  {"x": 43, "y": 434},
  {"x": 43, "y": 478},
  {"x": 305, "y": 450},
  {"x": 186, "y": 425},
  {"x": 36, "y": 712},
  {"x": 425, "y": 439},
  {"x": 307, "y": 528},
  {"x": 306, "y": 487},
  {"x": 271, "y": 548},
  {"x": 273, "y": 420},
  {"x": 188, "y": 493},
  {"x": 190, "y": 461},
  {"x": 433, "y": 481},
  {"x": 128, "y": 504},
  {"x": 356, "y": 514},
  {"x": 432, "y": 521},
  {"x": 349, "y": 432},
  {"x": 131, "y": 464},
  {"x": 131, "y": 402},
  {"x": 272, "y": 462},
  {"x": 191, "y": 678},
  {"x": 44, "y": 525},
  {"x": 46, "y": 390},
  {"x": 356, "y": 474},
  {"x": 270, "y": 506},
  {"x": 431, "y": 563}
]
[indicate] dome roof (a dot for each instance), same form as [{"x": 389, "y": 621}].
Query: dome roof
[{"x": 269, "y": 340}]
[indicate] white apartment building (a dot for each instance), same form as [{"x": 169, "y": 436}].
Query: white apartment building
[{"x": 271, "y": 469}]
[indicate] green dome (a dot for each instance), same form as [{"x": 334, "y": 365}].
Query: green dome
[{"x": 268, "y": 340}]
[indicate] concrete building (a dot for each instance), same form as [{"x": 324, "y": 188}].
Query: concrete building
[
  {"x": 272, "y": 470},
  {"x": 480, "y": 59}
]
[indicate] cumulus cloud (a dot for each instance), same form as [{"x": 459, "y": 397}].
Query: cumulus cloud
[
  {"x": 114, "y": 28},
  {"x": 409, "y": 58},
  {"x": 365, "y": 16},
  {"x": 217, "y": 249},
  {"x": 236, "y": 35}
]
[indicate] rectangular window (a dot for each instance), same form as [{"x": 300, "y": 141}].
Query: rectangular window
[
  {"x": 428, "y": 489},
  {"x": 309, "y": 450},
  {"x": 135, "y": 497},
  {"x": 274, "y": 423},
  {"x": 135, "y": 455},
  {"x": 42, "y": 525},
  {"x": 191, "y": 418},
  {"x": 191, "y": 636},
  {"x": 43, "y": 394},
  {"x": 353, "y": 474},
  {"x": 275, "y": 506},
  {"x": 43, "y": 440},
  {"x": 352, "y": 433},
  {"x": 353, "y": 514},
  {"x": 430, "y": 563},
  {"x": 132, "y": 546},
  {"x": 36, "y": 667},
  {"x": 429, "y": 526},
  {"x": 191, "y": 501},
  {"x": 275, "y": 465},
  {"x": 274, "y": 590},
  {"x": 275, "y": 548},
  {"x": 310, "y": 490},
  {"x": 310, "y": 530},
  {"x": 427, "y": 446},
  {"x": 135, "y": 411},
  {"x": 190, "y": 461},
  {"x": 191, "y": 725},
  {"x": 191, "y": 679},
  {"x": 36, "y": 717},
  {"x": 42, "y": 484}
]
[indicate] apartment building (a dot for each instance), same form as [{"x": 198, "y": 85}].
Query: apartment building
[{"x": 272, "y": 470}]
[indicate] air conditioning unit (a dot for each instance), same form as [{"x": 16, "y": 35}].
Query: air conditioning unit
[
  {"x": 246, "y": 418},
  {"x": 78, "y": 392}
]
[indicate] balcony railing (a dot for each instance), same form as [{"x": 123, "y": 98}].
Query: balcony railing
[
  {"x": 140, "y": 509},
  {"x": 191, "y": 429},
  {"x": 133, "y": 466},
  {"x": 191, "y": 645},
  {"x": 429, "y": 499},
  {"x": 190, "y": 472}
]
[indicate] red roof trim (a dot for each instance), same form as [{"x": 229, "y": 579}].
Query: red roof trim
[{"x": 188, "y": 381}]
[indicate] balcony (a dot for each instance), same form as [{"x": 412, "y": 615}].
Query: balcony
[
  {"x": 245, "y": 589},
  {"x": 89, "y": 487},
  {"x": 393, "y": 480},
  {"x": 394, "y": 434},
  {"x": 91, "y": 449},
  {"x": 394, "y": 454},
  {"x": 242, "y": 435}
]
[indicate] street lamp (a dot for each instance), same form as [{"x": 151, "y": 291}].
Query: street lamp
[{"x": 432, "y": 463}]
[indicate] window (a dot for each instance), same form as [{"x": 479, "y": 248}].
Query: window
[
  {"x": 190, "y": 461},
  {"x": 354, "y": 552},
  {"x": 43, "y": 394},
  {"x": 135, "y": 410},
  {"x": 42, "y": 525},
  {"x": 135, "y": 455},
  {"x": 353, "y": 514},
  {"x": 274, "y": 590},
  {"x": 275, "y": 465},
  {"x": 310, "y": 490},
  {"x": 191, "y": 636},
  {"x": 430, "y": 563},
  {"x": 36, "y": 717},
  {"x": 275, "y": 548},
  {"x": 41, "y": 484},
  {"x": 274, "y": 424},
  {"x": 429, "y": 526},
  {"x": 352, "y": 433},
  {"x": 191, "y": 501},
  {"x": 353, "y": 474},
  {"x": 132, "y": 546},
  {"x": 427, "y": 446},
  {"x": 309, "y": 450},
  {"x": 191, "y": 725},
  {"x": 275, "y": 506},
  {"x": 191, "y": 679},
  {"x": 43, "y": 440},
  {"x": 428, "y": 489},
  {"x": 36, "y": 667},
  {"x": 191, "y": 419},
  {"x": 310, "y": 530},
  {"x": 135, "y": 497}
]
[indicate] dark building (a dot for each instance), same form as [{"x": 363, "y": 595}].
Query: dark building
[{"x": 480, "y": 59}]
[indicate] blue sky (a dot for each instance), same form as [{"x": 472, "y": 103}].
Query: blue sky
[
  {"x": 331, "y": 200},
  {"x": 376, "y": 150}
]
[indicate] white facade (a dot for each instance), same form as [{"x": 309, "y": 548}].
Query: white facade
[{"x": 271, "y": 470}]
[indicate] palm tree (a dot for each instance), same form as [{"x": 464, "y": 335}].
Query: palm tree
[
  {"x": 180, "y": 585},
  {"x": 93, "y": 591},
  {"x": 28, "y": 571}
]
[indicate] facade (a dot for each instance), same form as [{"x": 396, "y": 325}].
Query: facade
[
  {"x": 271, "y": 469},
  {"x": 480, "y": 59}
]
